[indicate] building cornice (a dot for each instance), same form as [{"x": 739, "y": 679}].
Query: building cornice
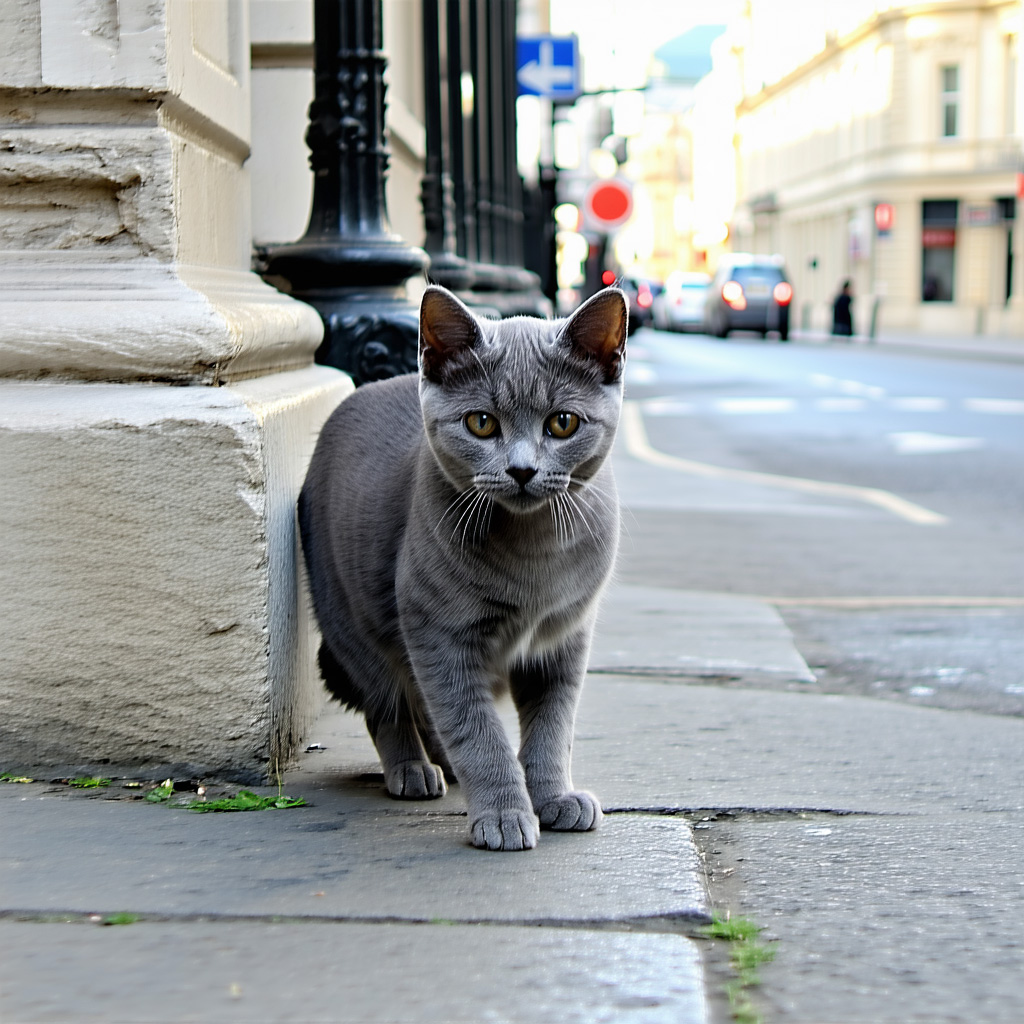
[
  {"x": 890, "y": 170},
  {"x": 836, "y": 45}
]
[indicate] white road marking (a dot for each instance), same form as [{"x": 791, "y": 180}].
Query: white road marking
[
  {"x": 642, "y": 373},
  {"x": 755, "y": 405},
  {"x": 848, "y": 387},
  {"x": 915, "y": 442},
  {"x": 840, "y": 404},
  {"x": 996, "y": 406},
  {"x": 919, "y": 404},
  {"x": 667, "y": 407},
  {"x": 638, "y": 445}
]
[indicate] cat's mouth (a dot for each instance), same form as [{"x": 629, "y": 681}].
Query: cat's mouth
[{"x": 521, "y": 501}]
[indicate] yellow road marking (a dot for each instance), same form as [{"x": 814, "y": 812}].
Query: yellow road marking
[{"x": 638, "y": 445}]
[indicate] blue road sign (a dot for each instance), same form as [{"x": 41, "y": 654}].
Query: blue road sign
[{"x": 548, "y": 66}]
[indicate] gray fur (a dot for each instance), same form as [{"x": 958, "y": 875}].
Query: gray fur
[{"x": 438, "y": 578}]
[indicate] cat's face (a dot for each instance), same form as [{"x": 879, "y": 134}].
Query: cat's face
[{"x": 521, "y": 410}]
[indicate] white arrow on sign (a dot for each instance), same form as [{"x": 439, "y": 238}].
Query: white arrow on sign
[{"x": 543, "y": 75}]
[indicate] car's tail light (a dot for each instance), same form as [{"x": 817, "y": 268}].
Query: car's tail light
[
  {"x": 732, "y": 292},
  {"x": 644, "y": 298},
  {"x": 783, "y": 293}
]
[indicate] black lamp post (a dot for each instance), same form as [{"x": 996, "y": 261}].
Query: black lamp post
[
  {"x": 444, "y": 176},
  {"x": 349, "y": 265}
]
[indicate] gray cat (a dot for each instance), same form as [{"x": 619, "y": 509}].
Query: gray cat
[{"x": 458, "y": 528}]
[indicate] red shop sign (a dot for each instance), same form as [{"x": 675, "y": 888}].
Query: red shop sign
[{"x": 938, "y": 238}]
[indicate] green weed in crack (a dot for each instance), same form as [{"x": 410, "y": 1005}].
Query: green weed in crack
[
  {"x": 244, "y": 800},
  {"x": 746, "y": 954},
  {"x": 89, "y": 782}
]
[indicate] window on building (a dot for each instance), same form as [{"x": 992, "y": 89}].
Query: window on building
[
  {"x": 950, "y": 100},
  {"x": 938, "y": 249}
]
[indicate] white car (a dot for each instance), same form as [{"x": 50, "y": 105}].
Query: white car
[{"x": 680, "y": 305}]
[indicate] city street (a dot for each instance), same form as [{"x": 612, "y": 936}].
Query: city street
[{"x": 873, "y": 494}]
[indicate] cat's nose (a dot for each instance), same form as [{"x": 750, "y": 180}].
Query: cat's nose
[{"x": 521, "y": 474}]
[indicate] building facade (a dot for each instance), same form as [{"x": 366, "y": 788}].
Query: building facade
[{"x": 881, "y": 143}]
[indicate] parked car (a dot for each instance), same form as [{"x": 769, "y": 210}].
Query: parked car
[
  {"x": 680, "y": 306},
  {"x": 749, "y": 293}
]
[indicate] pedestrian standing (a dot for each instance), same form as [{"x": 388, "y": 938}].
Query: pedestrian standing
[{"x": 842, "y": 315}]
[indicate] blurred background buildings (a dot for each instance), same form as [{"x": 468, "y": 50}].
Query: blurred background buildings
[
  {"x": 875, "y": 141},
  {"x": 879, "y": 142}
]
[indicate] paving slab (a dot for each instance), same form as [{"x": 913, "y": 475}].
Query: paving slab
[
  {"x": 657, "y": 631},
  {"x": 240, "y": 973},
  {"x": 880, "y": 920},
  {"x": 65, "y": 854},
  {"x": 647, "y": 744}
]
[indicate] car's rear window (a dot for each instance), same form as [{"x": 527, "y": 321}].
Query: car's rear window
[{"x": 756, "y": 275}]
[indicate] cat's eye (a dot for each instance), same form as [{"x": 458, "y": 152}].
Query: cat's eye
[
  {"x": 481, "y": 424},
  {"x": 563, "y": 424}
]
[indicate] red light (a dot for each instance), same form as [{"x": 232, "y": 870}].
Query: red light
[
  {"x": 608, "y": 277},
  {"x": 884, "y": 215},
  {"x": 644, "y": 298},
  {"x": 783, "y": 293},
  {"x": 732, "y": 292}
]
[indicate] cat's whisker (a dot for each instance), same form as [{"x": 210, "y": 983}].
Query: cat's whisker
[
  {"x": 574, "y": 503},
  {"x": 477, "y": 507},
  {"x": 555, "y": 521},
  {"x": 606, "y": 503},
  {"x": 467, "y": 515},
  {"x": 463, "y": 496},
  {"x": 593, "y": 492},
  {"x": 610, "y": 505},
  {"x": 587, "y": 489},
  {"x": 466, "y": 519},
  {"x": 568, "y": 527},
  {"x": 553, "y": 509},
  {"x": 485, "y": 519}
]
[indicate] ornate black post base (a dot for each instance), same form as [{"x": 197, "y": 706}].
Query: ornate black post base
[{"x": 349, "y": 265}]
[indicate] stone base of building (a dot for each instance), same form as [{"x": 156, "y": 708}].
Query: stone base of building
[{"x": 150, "y": 590}]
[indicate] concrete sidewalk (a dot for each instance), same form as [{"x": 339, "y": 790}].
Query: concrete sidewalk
[
  {"x": 878, "y": 843},
  {"x": 979, "y": 346}
]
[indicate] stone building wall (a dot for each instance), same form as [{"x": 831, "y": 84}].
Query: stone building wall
[{"x": 158, "y": 401}]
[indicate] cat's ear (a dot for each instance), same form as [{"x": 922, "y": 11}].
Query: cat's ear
[
  {"x": 447, "y": 328},
  {"x": 597, "y": 330}
]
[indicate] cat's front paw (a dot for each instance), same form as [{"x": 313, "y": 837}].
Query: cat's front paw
[
  {"x": 578, "y": 811},
  {"x": 415, "y": 780},
  {"x": 505, "y": 830}
]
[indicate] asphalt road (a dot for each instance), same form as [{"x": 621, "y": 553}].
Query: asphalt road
[{"x": 876, "y": 497}]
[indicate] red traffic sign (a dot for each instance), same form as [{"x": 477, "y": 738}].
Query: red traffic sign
[
  {"x": 884, "y": 216},
  {"x": 608, "y": 204}
]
